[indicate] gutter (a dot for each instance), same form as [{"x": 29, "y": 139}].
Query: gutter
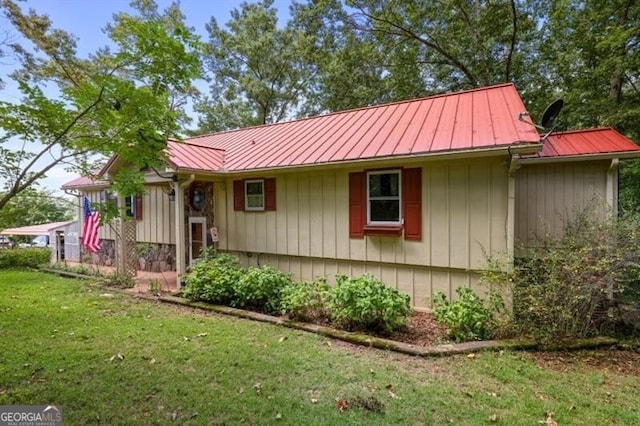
[{"x": 583, "y": 157}]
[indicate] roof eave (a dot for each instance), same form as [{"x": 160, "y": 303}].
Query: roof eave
[{"x": 581, "y": 157}]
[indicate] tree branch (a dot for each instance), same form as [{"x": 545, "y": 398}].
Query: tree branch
[
  {"x": 512, "y": 46},
  {"x": 433, "y": 43}
]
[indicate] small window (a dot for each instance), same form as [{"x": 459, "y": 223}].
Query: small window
[
  {"x": 254, "y": 194},
  {"x": 383, "y": 197},
  {"x": 133, "y": 207},
  {"x": 130, "y": 206}
]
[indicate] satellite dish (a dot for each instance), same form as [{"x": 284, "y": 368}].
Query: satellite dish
[{"x": 551, "y": 113}]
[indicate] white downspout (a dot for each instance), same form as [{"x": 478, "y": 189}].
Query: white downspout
[
  {"x": 511, "y": 207},
  {"x": 612, "y": 188},
  {"x": 180, "y": 234}
]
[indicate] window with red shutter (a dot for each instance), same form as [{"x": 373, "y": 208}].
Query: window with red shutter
[
  {"x": 254, "y": 195},
  {"x": 386, "y": 202},
  {"x": 133, "y": 206}
]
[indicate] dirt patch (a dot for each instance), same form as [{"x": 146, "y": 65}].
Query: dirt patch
[
  {"x": 421, "y": 330},
  {"x": 621, "y": 361}
]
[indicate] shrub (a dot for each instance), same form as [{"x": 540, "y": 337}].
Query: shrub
[
  {"x": 212, "y": 279},
  {"x": 466, "y": 318},
  {"x": 24, "y": 258},
  {"x": 367, "y": 303},
  {"x": 120, "y": 281},
  {"x": 260, "y": 288},
  {"x": 306, "y": 301},
  {"x": 581, "y": 284}
]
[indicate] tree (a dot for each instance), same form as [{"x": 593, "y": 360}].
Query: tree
[
  {"x": 33, "y": 207},
  {"x": 591, "y": 53},
  {"x": 370, "y": 52},
  {"x": 348, "y": 67},
  {"x": 123, "y": 99},
  {"x": 256, "y": 70}
]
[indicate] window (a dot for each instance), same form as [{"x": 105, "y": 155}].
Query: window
[
  {"x": 133, "y": 206},
  {"x": 383, "y": 198},
  {"x": 254, "y": 194},
  {"x": 386, "y": 203}
]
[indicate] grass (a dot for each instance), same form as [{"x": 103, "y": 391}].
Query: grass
[{"x": 60, "y": 342}]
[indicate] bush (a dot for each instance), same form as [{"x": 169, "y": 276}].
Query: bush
[
  {"x": 368, "y": 304},
  {"x": 212, "y": 279},
  {"x": 120, "y": 281},
  {"x": 466, "y": 318},
  {"x": 306, "y": 301},
  {"x": 582, "y": 284},
  {"x": 260, "y": 288},
  {"x": 24, "y": 258}
]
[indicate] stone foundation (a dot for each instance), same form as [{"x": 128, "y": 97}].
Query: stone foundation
[
  {"x": 156, "y": 257},
  {"x": 151, "y": 257}
]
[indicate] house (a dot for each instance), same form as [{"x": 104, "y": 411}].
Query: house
[
  {"x": 61, "y": 237},
  {"x": 415, "y": 192}
]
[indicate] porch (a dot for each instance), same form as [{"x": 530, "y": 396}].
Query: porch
[{"x": 167, "y": 281}]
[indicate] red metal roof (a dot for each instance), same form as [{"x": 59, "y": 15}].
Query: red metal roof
[
  {"x": 475, "y": 119},
  {"x": 42, "y": 229},
  {"x": 585, "y": 142},
  {"x": 193, "y": 157},
  {"x": 84, "y": 181}
]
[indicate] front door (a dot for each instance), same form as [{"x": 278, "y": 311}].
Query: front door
[{"x": 197, "y": 237}]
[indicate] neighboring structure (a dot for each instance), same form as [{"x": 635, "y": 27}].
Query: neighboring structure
[
  {"x": 415, "y": 192},
  {"x": 62, "y": 238}
]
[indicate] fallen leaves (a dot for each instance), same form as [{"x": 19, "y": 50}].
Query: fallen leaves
[
  {"x": 258, "y": 388},
  {"x": 119, "y": 356},
  {"x": 342, "y": 405},
  {"x": 549, "y": 421}
]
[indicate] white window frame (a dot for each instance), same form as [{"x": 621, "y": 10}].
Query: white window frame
[
  {"x": 399, "y": 198},
  {"x": 246, "y": 195},
  {"x": 132, "y": 205}
]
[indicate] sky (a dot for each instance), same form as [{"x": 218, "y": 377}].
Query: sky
[{"x": 86, "y": 18}]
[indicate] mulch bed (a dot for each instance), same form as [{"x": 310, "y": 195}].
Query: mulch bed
[{"x": 421, "y": 330}]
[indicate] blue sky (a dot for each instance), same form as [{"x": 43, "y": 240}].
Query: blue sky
[{"x": 86, "y": 18}]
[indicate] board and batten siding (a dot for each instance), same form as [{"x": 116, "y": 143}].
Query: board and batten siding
[
  {"x": 548, "y": 194},
  {"x": 464, "y": 209},
  {"x": 157, "y": 224}
]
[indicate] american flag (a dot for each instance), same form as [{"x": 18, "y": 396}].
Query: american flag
[{"x": 91, "y": 240}]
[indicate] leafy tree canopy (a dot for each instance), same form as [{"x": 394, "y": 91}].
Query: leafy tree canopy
[
  {"x": 126, "y": 98},
  {"x": 33, "y": 207}
]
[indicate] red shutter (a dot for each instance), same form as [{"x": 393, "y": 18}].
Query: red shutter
[
  {"x": 357, "y": 204},
  {"x": 238, "y": 195},
  {"x": 138, "y": 207},
  {"x": 412, "y": 203},
  {"x": 270, "y": 194}
]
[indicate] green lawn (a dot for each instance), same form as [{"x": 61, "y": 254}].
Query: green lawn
[{"x": 60, "y": 340}]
